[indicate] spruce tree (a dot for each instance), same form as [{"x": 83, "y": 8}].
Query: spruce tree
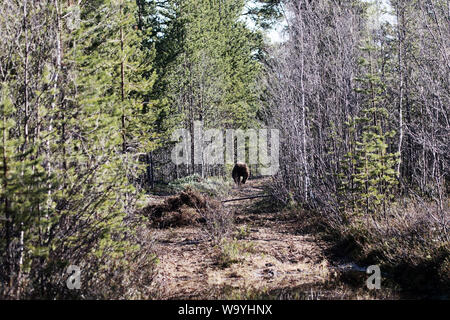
[
  {"x": 373, "y": 177},
  {"x": 22, "y": 191}
]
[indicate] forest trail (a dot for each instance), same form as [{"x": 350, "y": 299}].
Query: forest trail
[{"x": 273, "y": 258}]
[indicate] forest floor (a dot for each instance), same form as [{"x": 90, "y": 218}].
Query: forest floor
[{"x": 271, "y": 257}]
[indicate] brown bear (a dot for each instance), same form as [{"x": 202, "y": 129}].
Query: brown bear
[{"x": 240, "y": 170}]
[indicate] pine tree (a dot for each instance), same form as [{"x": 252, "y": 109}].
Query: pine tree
[
  {"x": 208, "y": 64},
  {"x": 22, "y": 191},
  {"x": 373, "y": 177},
  {"x": 98, "y": 123}
]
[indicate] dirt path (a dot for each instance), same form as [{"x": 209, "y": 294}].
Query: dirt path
[{"x": 272, "y": 259}]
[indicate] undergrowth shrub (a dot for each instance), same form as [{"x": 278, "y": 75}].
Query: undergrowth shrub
[
  {"x": 219, "y": 222},
  {"x": 212, "y": 186},
  {"x": 119, "y": 266},
  {"x": 232, "y": 251},
  {"x": 410, "y": 242}
]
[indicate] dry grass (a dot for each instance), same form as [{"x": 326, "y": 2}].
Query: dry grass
[
  {"x": 410, "y": 242},
  {"x": 189, "y": 208},
  {"x": 273, "y": 254},
  {"x": 179, "y": 210},
  {"x": 264, "y": 257}
]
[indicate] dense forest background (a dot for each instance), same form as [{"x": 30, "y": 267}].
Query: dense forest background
[{"x": 91, "y": 92}]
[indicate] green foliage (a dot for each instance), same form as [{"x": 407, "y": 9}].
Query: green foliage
[
  {"x": 265, "y": 12},
  {"x": 109, "y": 42},
  {"x": 69, "y": 183},
  {"x": 22, "y": 191},
  {"x": 370, "y": 177},
  {"x": 243, "y": 232},
  {"x": 232, "y": 251},
  {"x": 213, "y": 186},
  {"x": 207, "y": 64}
]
